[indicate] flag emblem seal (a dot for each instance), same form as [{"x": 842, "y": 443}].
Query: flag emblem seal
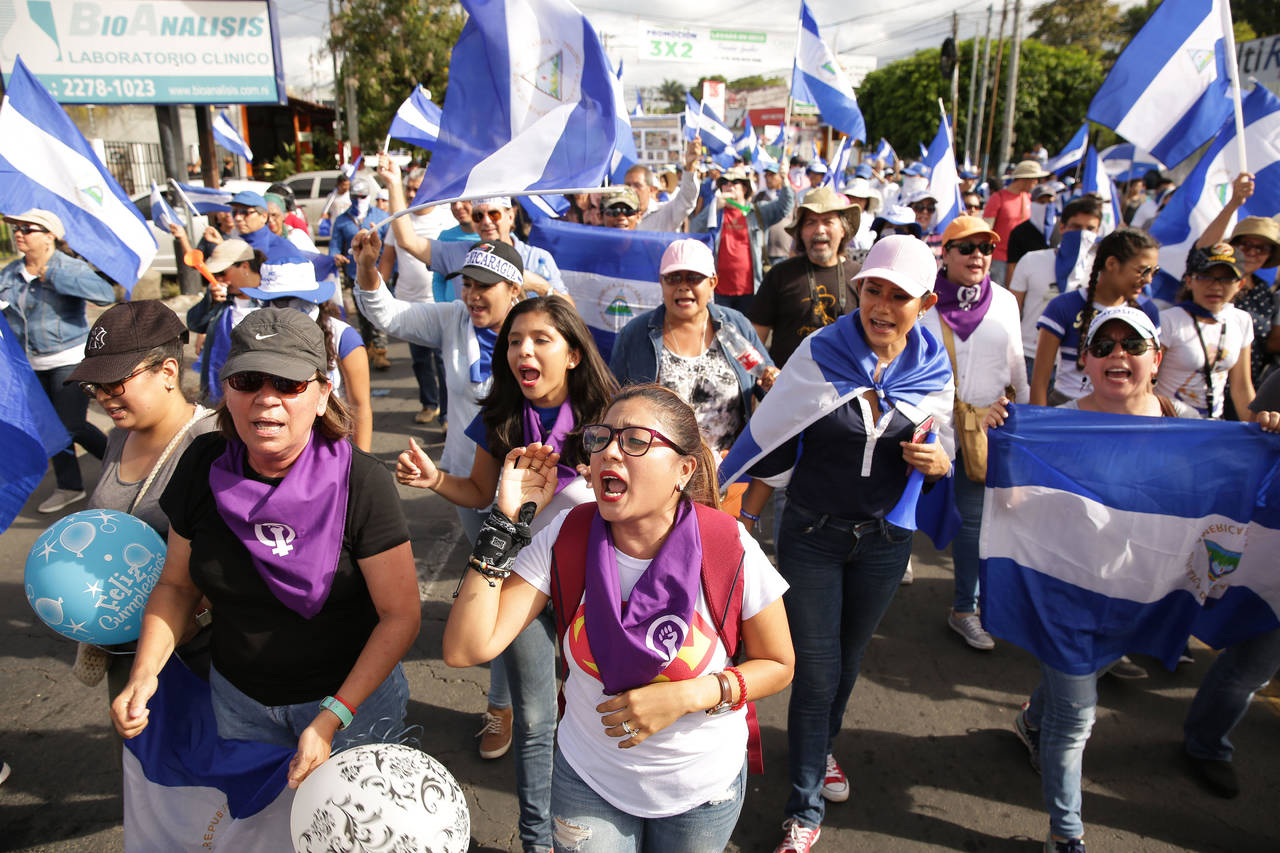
[{"x": 1200, "y": 58}]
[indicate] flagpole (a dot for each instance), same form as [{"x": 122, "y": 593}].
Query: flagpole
[
  {"x": 497, "y": 193},
  {"x": 1233, "y": 74},
  {"x": 783, "y": 163},
  {"x": 386, "y": 142}
]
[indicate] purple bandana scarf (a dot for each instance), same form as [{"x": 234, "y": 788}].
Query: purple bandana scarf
[
  {"x": 631, "y": 649},
  {"x": 292, "y": 530},
  {"x": 962, "y": 307},
  {"x": 535, "y": 431}
]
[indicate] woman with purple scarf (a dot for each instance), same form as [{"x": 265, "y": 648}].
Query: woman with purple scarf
[
  {"x": 979, "y": 324},
  {"x": 651, "y": 750},
  {"x": 298, "y": 541},
  {"x": 556, "y": 381}
]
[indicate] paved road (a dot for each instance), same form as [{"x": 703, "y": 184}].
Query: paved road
[{"x": 927, "y": 740}]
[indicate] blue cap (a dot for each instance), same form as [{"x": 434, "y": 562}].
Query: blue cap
[
  {"x": 772, "y": 167},
  {"x": 969, "y": 174},
  {"x": 917, "y": 169},
  {"x": 863, "y": 171},
  {"x": 249, "y": 198}
]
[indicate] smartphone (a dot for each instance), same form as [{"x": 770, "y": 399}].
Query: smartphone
[{"x": 922, "y": 430}]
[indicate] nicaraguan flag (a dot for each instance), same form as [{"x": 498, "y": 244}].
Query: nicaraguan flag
[
  {"x": 747, "y": 142},
  {"x": 1072, "y": 154},
  {"x": 1127, "y": 162},
  {"x": 543, "y": 206},
  {"x": 30, "y": 429},
  {"x": 1205, "y": 192},
  {"x": 839, "y": 162},
  {"x": 46, "y": 163},
  {"x": 944, "y": 179},
  {"x": 624, "y": 154},
  {"x": 202, "y": 199},
  {"x": 781, "y": 139},
  {"x": 530, "y": 103},
  {"x": 612, "y": 274},
  {"x": 226, "y": 135},
  {"x": 417, "y": 121},
  {"x": 701, "y": 122},
  {"x": 1168, "y": 91},
  {"x": 1096, "y": 181},
  {"x": 185, "y": 788},
  {"x": 884, "y": 153},
  {"x": 818, "y": 79},
  {"x": 1129, "y": 541},
  {"x": 162, "y": 214}
]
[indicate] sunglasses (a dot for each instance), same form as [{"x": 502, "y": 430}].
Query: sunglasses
[
  {"x": 690, "y": 278},
  {"x": 619, "y": 210},
  {"x": 1133, "y": 346},
  {"x": 28, "y": 228},
  {"x": 478, "y": 216},
  {"x": 244, "y": 211},
  {"x": 973, "y": 207},
  {"x": 112, "y": 389},
  {"x": 1225, "y": 280},
  {"x": 632, "y": 440},
  {"x": 970, "y": 248},
  {"x": 924, "y": 208},
  {"x": 250, "y": 382},
  {"x": 1146, "y": 272},
  {"x": 1253, "y": 247}
]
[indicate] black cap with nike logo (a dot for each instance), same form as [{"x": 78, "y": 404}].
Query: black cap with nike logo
[{"x": 279, "y": 341}]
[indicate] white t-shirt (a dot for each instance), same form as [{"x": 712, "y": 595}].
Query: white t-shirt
[
  {"x": 413, "y": 279},
  {"x": 1181, "y": 375},
  {"x": 991, "y": 359},
  {"x": 1035, "y": 276},
  {"x": 691, "y": 761}
]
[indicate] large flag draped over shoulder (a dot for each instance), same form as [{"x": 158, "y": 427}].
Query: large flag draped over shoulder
[
  {"x": 1205, "y": 191},
  {"x": 1168, "y": 91},
  {"x": 530, "y": 103},
  {"x": 46, "y": 163},
  {"x": 611, "y": 273},
  {"x": 1106, "y": 534},
  {"x": 818, "y": 79},
  {"x": 944, "y": 179},
  {"x": 417, "y": 121},
  {"x": 226, "y": 135},
  {"x": 30, "y": 430}
]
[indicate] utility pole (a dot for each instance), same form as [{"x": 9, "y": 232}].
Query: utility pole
[
  {"x": 982, "y": 94},
  {"x": 973, "y": 84},
  {"x": 1011, "y": 94},
  {"x": 995, "y": 90},
  {"x": 337, "y": 101},
  {"x": 175, "y": 166},
  {"x": 955, "y": 75}
]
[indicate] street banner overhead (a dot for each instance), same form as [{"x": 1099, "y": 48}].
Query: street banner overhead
[{"x": 147, "y": 51}]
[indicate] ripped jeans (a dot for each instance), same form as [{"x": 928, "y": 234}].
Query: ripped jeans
[
  {"x": 1063, "y": 709},
  {"x": 584, "y": 822}
]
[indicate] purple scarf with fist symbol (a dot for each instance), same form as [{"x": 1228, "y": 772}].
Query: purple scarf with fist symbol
[{"x": 633, "y": 648}]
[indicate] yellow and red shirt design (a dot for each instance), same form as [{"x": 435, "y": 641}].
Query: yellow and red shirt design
[{"x": 693, "y": 659}]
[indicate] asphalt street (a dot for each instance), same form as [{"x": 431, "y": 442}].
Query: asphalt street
[{"x": 927, "y": 741}]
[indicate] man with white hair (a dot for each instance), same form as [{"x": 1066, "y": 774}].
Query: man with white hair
[{"x": 668, "y": 216}]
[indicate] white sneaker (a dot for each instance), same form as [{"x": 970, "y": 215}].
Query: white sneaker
[
  {"x": 60, "y": 499},
  {"x": 969, "y": 626},
  {"x": 835, "y": 785},
  {"x": 909, "y": 576},
  {"x": 4, "y": 771}
]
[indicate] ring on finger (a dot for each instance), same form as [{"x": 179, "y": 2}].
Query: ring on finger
[{"x": 626, "y": 727}]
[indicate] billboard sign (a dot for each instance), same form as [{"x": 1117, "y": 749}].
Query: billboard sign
[
  {"x": 1260, "y": 59},
  {"x": 661, "y": 43},
  {"x": 147, "y": 51}
]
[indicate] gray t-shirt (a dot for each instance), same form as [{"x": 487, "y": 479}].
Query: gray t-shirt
[{"x": 112, "y": 493}]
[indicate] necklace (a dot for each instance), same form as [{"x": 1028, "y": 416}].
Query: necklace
[{"x": 669, "y": 340}]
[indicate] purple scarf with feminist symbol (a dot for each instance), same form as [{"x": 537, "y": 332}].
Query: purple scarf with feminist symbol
[
  {"x": 292, "y": 530},
  {"x": 633, "y": 647},
  {"x": 554, "y": 438},
  {"x": 962, "y": 307}
]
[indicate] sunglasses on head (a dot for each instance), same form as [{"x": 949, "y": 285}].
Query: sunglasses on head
[
  {"x": 111, "y": 389},
  {"x": 632, "y": 440},
  {"x": 478, "y": 216},
  {"x": 970, "y": 248},
  {"x": 1133, "y": 346},
  {"x": 28, "y": 228},
  {"x": 686, "y": 277},
  {"x": 250, "y": 382}
]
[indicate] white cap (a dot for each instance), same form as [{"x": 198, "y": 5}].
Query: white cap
[
  {"x": 1134, "y": 318},
  {"x": 499, "y": 201},
  {"x": 904, "y": 260}
]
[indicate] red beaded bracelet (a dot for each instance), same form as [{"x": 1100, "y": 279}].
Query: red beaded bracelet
[{"x": 742, "y": 687}]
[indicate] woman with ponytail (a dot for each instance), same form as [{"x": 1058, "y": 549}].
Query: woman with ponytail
[{"x": 1125, "y": 263}]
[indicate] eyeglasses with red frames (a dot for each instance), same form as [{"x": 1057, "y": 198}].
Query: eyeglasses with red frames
[
  {"x": 111, "y": 389},
  {"x": 477, "y": 216},
  {"x": 250, "y": 382},
  {"x": 632, "y": 440}
]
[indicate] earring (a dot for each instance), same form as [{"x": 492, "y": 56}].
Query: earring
[{"x": 168, "y": 387}]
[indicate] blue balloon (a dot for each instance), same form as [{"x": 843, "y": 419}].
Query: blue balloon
[{"x": 89, "y": 575}]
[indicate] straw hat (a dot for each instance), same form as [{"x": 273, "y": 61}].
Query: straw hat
[{"x": 1264, "y": 228}]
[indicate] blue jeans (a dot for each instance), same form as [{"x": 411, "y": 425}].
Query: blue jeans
[
  {"x": 1063, "y": 709},
  {"x": 1225, "y": 693},
  {"x": 379, "y": 719},
  {"x": 842, "y": 579},
  {"x": 964, "y": 548},
  {"x": 529, "y": 670},
  {"x": 428, "y": 369},
  {"x": 72, "y": 406},
  {"x": 587, "y": 823}
]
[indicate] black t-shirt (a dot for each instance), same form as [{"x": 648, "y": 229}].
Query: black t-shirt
[
  {"x": 783, "y": 302},
  {"x": 1022, "y": 239},
  {"x": 1268, "y": 396},
  {"x": 269, "y": 652}
]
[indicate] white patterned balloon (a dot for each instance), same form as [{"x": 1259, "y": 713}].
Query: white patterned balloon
[{"x": 380, "y": 797}]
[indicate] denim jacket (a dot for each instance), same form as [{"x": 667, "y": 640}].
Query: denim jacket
[
  {"x": 764, "y": 216},
  {"x": 638, "y": 349},
  {"x": 48, "y": 314}
]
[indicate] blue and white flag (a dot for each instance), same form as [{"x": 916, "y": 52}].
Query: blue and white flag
[
  {"x": 1206, "y": 190},
  {"x": 1096, "y": 181},
  {"x": 1126, "y": 161},
  {"x": 185, "y": 788},
  {"x": 944, "y": 178},
  {"x": 780, "y": 140},
  {"x": 1072, "y": 154},
  {"x": 417, "y": 121},
  {"x": 1131, "y": 541},
  {"x": 818, "y": 79},
  {"x": 884, "y": 153},
  {"x": 701, "y": 122},
  {"x": 30, "y": 430},
  {"x": 1168, "y": 91},
  {"x": 46, "y": 163},
  {"x": 639, "y": 108},
  {"x": 624, "y": 154},
  {"x": 612, "y": 274},
  {"x": 540, "y": 207},
  {"x": 203, "y": 199},
  {"x": 162, "y": 214},
  {"x": 530, "y": 103},
  {"x": 226, "y": 135},
  {"x": 746, "y": 143},
  {"x": 351, "y": 168},
  {"x": 839, "y": 162}
]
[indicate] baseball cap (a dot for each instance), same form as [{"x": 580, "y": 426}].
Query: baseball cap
[
  {"x": 1219, "y": 254},
  {"x": 772, "y": 167},
  {"x": 492, "y": 261},
  {"x": 226, "y": 253},
  {"x": 688, "y": 254},
  {"x": 968, "y": 226},
  {"x": 279, "y": 341},
  {"x": 249, "y": 198},
  {"x": 361, "y": 188},
  {"x": 122, "y": 336},
  {"x": 904, "y": 260},
  {"x": 499, "y": 201},
  {"x": 384, "y": 195},
  {"x": 817, "y": 167},
  {"x": 289, "y": 275},
  {"x": 620, "y": 196},
  {"x": 918, "y": 170},
  {"x": 968, "y": 174},
  {"x": 1047, "y": 188},
  {"x": 46, "y": 220},
  {"x": 1134, "y": 318}
]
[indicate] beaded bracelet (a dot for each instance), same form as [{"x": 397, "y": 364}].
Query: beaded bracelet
[
  {"x": 742, "y": 687},
  {"x": 755, "y": 519}
]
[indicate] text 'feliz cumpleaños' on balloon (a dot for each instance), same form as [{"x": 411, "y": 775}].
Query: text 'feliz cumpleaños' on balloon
[
  {"x": 380, "y": 796},
  {"x": 89, "y": 575}
]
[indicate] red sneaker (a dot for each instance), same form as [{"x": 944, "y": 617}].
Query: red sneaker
[
  {"x": 799, "y": 838},
  {"x": 835, "y": 786}
]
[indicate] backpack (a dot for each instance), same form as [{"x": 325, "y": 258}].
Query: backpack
[{"x": 722, "y": 568}]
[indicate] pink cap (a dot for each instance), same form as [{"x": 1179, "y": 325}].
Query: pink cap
[
  {"x": 692, "y": 255},
  {"x": 904, "y": 260}
]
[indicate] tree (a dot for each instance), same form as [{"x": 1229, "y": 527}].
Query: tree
[
  {"x": 755, "y": 81},
  {"x": 1091, "y": 24},
  {"x": 387, "y": 48},
  {"x": 672, "y": 91}
]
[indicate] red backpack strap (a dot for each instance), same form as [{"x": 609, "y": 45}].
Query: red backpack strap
[{"x": 569, "y": 575}]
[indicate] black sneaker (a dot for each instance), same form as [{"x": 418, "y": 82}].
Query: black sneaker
[
  {"x": 1030, "y": 737},
  {"x": 1217, "y": 775},
  {"x": 1070, "y": 845}
]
